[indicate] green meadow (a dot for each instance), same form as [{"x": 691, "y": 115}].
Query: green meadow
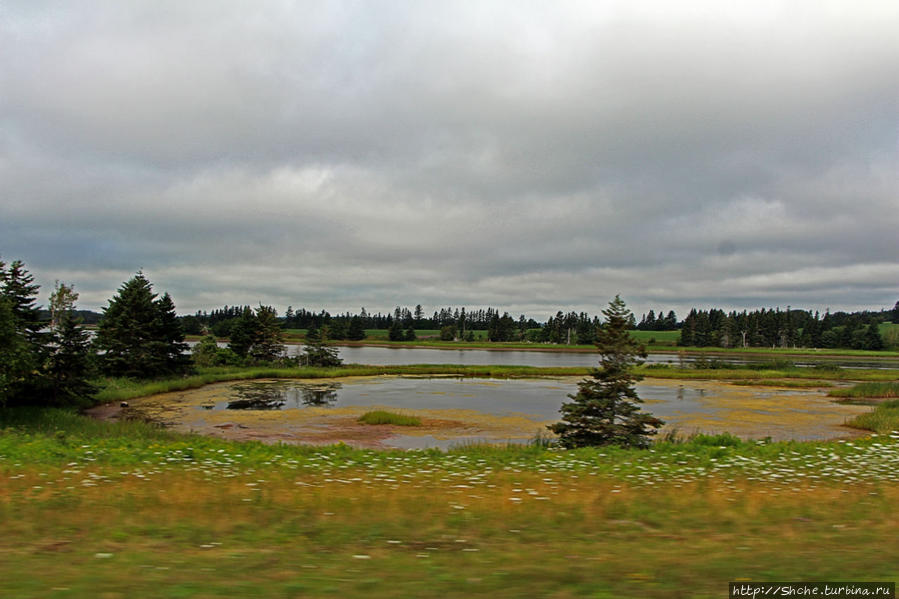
[{"x": 93, "y": 509}]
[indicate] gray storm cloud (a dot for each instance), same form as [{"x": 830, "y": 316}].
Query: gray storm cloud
[{"x": 341, "y": 155}]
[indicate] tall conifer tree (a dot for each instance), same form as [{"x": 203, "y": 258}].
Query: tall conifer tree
[{"x": 605, "y": 410}]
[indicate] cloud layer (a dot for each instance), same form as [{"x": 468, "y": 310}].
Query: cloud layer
[{"x": 342, "y": 154}]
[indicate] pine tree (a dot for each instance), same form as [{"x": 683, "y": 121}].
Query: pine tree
[
  {"x": 356, "y": 332},
  {"x": 172, "y": 348},
  {"x": 71, "y": 363},
  {"x": 873, "y": 340},
  {"x": 268, "y": 342},
  {"x": 317, "y": 353},
  {"x": 395, "y": 333},
  {"x": 243, "y": 333},
  {"x": 16, "y": 358},
  {"x": 24, "y": 347},
  {"x": 139, "y": 336},
  {"x": 605, "y": 409}
]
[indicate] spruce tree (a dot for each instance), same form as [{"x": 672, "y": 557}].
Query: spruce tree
[
  {"x": 268, "y": 343},
  {"x": 172, "y": 348},
  {"x": 242, "y": 335},
  {"x": 317, "y": 353},
  {"x": 24, "y": 347},
  {"x": 139, "y": 335},
  {"x": 71, "y": 364},
  {"x": 605, "y": 410},
  {"x": 356, "y": 332},
  {"x": 395, "y": 333}
]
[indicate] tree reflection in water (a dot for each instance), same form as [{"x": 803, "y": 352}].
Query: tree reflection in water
[
  {"x": 257, "y": 396},
  {"x": 275, "y": 395},
  {"x": 318, "y": 395}
]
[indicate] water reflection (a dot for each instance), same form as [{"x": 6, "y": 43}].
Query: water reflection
[
  {"x": 256, "y": 396},
  {"x": 319, "y": 395},
  {"x": 277, "y": 395}
]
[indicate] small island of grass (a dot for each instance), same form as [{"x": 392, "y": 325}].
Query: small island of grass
[{"x": 384, "y": 417}]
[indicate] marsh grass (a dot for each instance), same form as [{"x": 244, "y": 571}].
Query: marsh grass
[
  {"x": 385, "y": 417},
  {"x": 883, "y": 419},
  {"x": 787, "y": 383},
  {"x": 868, "y": 390}
]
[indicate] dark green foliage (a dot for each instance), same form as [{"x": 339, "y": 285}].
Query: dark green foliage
[
  {"x": 140, "y": 336},
  {"x": 71, "y": 364},
  {"x": 171, "y": 336},
  {"x": 208, "y": 353},
  {"x": 337, "y": 329},
  {"x": 191, "y": 325},
  {"x": 781, "y": 328},
  {"x": 448, "y": 333},
  {"x": 356, "y": 332},
  {"x": 38, "y": 367},
  {"x": 257, "y": 336},
  {"x": 410, "y": 335},
  {"x": 317, "y": 353},
  {"x": 605, "y": 409},
  {"x": 242, "y": 333},
  {"x": 395, "y": 332},
  {"x": 16, "y": 359},
  {"x": 501, "y": 328},
  {"x": 268, "y": 341},
  {"x": 872, "y": 339},
  {"x": 23, "y": 346},
  {"x": 20, "y": 291}
]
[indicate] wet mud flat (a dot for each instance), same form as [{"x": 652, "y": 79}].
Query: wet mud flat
[{"x": 456, "y": 411}]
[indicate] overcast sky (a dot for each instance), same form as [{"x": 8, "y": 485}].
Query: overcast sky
[{"x": 527, "y": 156}]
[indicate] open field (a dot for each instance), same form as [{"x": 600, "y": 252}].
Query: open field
[
  {"x": 657, "y": 338},
  {"x": 97, "y": 510}
]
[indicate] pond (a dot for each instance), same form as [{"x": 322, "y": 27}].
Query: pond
[{"x": 459, "y": 410}]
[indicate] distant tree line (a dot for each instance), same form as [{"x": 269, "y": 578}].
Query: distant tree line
[
  {"x": 651, "y": 322},
  {"x": 702, "y": 328},
  {"x": 784, "y": 328}
]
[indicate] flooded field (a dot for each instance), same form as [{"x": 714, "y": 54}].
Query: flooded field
[{"x": 460, "y": 410}]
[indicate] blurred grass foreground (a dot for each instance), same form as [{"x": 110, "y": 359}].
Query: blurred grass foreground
[{"x": 94, "y": 509}]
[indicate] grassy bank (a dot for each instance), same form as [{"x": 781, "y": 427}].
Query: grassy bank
[
  {"x": 884, "y": 418},
  {"x": 868, "y": 390},
  {"x": 91, "y": 509}
]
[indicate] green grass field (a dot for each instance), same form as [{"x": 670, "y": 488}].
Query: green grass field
[
  {"x": 657, "y": 338},
  {"x": 90, "y": 509}
]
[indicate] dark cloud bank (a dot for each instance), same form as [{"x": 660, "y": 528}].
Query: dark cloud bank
[{"x": 342, "y": 155}]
